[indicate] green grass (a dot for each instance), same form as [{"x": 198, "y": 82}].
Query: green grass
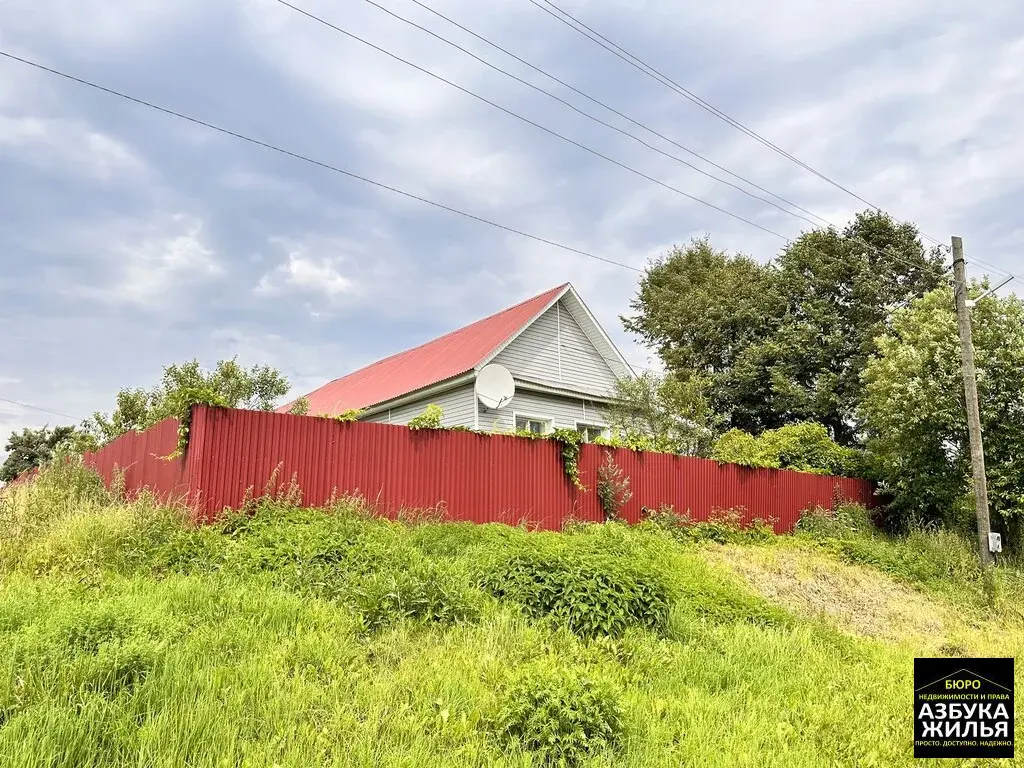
[{"x": 327, "y": 637}]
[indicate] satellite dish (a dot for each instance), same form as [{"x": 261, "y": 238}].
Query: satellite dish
[{"x": 494, "y": 386}]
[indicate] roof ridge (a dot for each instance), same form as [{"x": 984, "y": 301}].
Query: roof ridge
[{"x": 453, "y": 331}]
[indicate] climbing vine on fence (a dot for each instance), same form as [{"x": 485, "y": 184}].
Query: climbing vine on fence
[
  {"x": 569, "y": 440},
  {"x": 180, "y": 404}
]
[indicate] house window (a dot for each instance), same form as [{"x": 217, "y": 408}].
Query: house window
[
  {"x": 591, "y": 432},
  {"x": 532, "y": 424}
]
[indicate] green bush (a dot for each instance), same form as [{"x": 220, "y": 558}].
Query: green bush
[
  {"x": 844, "y": 522},
  {"x": 561, "y": 716},
  {"x": 588, "y": 594},
  {"x": 722, "y": 526},
  {"x": 739, "y": 447},
  {"x": 804, "y": 447},
  {"x": 428, "y": 593},
  {"x": 300, "y": 407}
]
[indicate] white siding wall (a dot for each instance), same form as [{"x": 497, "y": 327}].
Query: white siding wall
[
  {"x": 457, "y": 405},
  {"x": 564, "y": 412},
  {"x": 534, "y": 355}
]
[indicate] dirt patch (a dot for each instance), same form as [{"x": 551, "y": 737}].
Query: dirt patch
[{"x": 858, "y": 599}]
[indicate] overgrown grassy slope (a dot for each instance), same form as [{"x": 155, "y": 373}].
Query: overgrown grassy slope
[{"x": 327, "y": 637}]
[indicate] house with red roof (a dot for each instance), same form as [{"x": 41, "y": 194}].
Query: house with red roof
[{"x": 540, "y": 365}]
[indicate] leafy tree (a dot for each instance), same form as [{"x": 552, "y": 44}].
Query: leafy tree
[
  {"x": 916, "y": 420},
  {"x": 700, "y": 307},
  {"x": 34, "y": 447},
  {"x": 840, "y": 296},
  {"x": 702, "y": 310},
  {"x": 784, "y": 342},
  {"x": 228, "y": 384},
  {"x": 663, "y": 413}
]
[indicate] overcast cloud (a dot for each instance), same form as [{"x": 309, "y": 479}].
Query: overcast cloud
[{"x": 131, "y": 239}]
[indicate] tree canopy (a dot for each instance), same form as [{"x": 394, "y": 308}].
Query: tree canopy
[
  {"x": 662, "y": 413},
  {"x": 32, "y": 448},
  {"x": 228, "y": 384},
  {"x": 784, "y": 341},
  {"x": 915, "y": 417}
]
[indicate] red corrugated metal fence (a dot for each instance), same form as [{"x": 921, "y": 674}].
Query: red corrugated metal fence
[
  {"x": 142, "y": 458},
  {"x": 480, "y": 478}
]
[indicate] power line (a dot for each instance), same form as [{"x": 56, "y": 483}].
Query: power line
[
  {"x": 366, "y": 180},
  {"x": 528, "y": 121},
  {"x": 637, "y": 63},
  {"x": 509, "y": 112},
  {"x": 547, "y": 74},
  {"x": 311, "y": 161},
  {"x": 613, "y": 110},
  {"x": 598, "y": 120},
  {"x": 44, "y": 410},
  {"x": 989, "y": 264},
  {"x": 993, "y": 266}
]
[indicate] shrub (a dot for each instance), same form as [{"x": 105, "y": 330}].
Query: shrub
[
  {"x": 722, "y": 526},
  {"x": 804, "y": 447},
  {"x": 664, "y": 517},
  {"x": 739, "y": 447},
  {"x": 300, "y": 407},
  {"x": 612, "y": 488},
  {"x": 425, "y": 592},
  {"x": 636, "y": 441},
  {"x": 429, "y": 419},
  {"x": 843, "y": 522},
  {"x": 180, "y": 404},
  {"x": 559, "y": 715},
  {"x": 589, "y": 595},
  {"x": 348, "y": 416}
]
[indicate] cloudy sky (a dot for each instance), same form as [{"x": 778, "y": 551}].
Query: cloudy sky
[{"x": 131, "y": 239}]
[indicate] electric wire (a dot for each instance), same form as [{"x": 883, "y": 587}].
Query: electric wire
[
  {"x": 570, "y": 105},
  {"x": 647, "y": 128},
  {"x": 312, "y": 161},
  {"x": 395, "y": 190},
  {"x": 509, "y": 112},
  {"x": 38, "y": 408},
  {"x": 528, "y": 121},
  {"x": 636, "y": 62}
]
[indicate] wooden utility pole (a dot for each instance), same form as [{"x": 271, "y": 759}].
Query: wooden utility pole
[{"x": 963, "y": 320}]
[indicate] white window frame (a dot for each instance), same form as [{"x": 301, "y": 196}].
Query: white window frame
[
  {"x": 605, "y": 429},
  {"x": 548, "y": 423}
]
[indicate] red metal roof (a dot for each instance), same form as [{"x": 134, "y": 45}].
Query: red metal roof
[{"x": 450, "y": 355}]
